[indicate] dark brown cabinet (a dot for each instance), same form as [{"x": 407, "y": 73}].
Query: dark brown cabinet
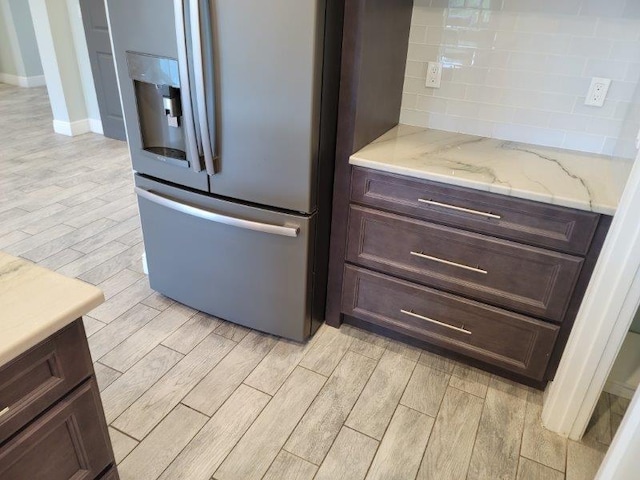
[
  {"x": 494, "y": 279},
  {"x": 514, "y": 342},
  {"x": 53, "y": 425},
  {"x": 519, "y": 277},
  {"x": 430, "y": 243}
]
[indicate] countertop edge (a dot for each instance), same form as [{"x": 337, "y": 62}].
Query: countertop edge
[
  {"x": 482, "y": 186},
  {"x": 22, "y": 345}
]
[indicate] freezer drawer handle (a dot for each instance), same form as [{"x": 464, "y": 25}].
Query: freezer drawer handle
[
  {"x": 448, "y": 262},
  {"x": 285, "y": 231},
  {"x": 460, "y": 209},
  {"x": 431, "y": 320}
]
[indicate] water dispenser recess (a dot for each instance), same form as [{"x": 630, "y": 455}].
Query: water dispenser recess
[{"x": 157, "y": 90}]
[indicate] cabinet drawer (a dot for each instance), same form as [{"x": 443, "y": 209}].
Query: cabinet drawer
[
  {"x": 499, "y": 337},
  {"x": 69, "y": 441},
  {"x": 534, "y": 223},
  {"x": 527, "y": 279},
  {"x": 35, "y": 380}
]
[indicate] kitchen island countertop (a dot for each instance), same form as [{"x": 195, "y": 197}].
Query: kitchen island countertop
[
  {"x": 35, "y": 303},
  {"x": 561, "y": 177}
]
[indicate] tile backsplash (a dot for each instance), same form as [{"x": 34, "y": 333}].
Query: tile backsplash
[{"x": 520, "y": 70}]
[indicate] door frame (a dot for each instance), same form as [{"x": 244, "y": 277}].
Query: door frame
[{"x": 606, "y": 314}]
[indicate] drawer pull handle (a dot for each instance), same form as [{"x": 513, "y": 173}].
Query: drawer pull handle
[
  {"x": 431, "y": 320},
  {"x": 447, "y": 262},
  {"x": 460, "y": 209},
  {"x": 4, "y": 410}
]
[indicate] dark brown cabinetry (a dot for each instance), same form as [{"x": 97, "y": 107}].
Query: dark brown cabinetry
[
  {"x": 53, "y": 425},
  {"x": 436, "y": 274},
  {"x": 428, "y": 244}
]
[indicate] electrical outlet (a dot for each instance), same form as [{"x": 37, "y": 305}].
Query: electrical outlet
[
  {"x": 597, "y": 92},
  {"x": 434, "y": 75}
]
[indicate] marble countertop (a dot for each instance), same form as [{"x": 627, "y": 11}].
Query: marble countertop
[
  {"x": 561, "y": 177},
  {"x": 36, "y": 302}
]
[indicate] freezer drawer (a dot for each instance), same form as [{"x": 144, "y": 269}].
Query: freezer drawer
[{"x": 236, "y": 262}]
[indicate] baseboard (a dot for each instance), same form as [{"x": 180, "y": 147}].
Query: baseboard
[
  {"x": 625, "y": 373},
  {"x": 96, "y": 126},
  {"x": 71, "y": 129},
  {"x": 26, "y": 82},
  {"x": 620, "y": 389}
]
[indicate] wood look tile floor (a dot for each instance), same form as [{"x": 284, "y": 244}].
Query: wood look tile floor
[{"x": 192, "y": 397}]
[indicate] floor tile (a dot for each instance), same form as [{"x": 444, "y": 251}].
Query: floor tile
[
  {"x": 118, "y": 396},
  {"x": 131, "y": 350},
  {"x": 91, "y": 325},
  {"x": 470, "y": 380},
  {"x": 326, "y": 351},
  {"x": 374, "y": 409},
  {"x": 254, "y": 453},
  {"x": 156, "y": 452},
  {"x": 274, "y": 369},
  {"x": 204, "y": 454},
  {"x": 425, "y": 390},
  {"x": 191, "y": 333},
  {"x": 497, "y": 448},
  {"x": 538, "y": 443},
  {"x": 123, "y": 301},
  {"x": 349, "y": 457},
  {"x": 120, "y": 329},
  {"x": 530, "y": 470},
  {"x": 145, "y": 413},
  {"x": 121, "y": 443},
  {"x": 454, "y": 433},
  {"x": 219, "y": 383},
  {"x": 105, "y": 375},
  {"x": 290, "y": 467},
  {"x": 437, "y": 362},
  {"x": 402, "y": 446},
  {"x": 583, "y": 461},
  {"x": 320, "y": 425}
]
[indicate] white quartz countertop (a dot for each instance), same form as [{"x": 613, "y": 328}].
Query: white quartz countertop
[
  {"x": 561, "y": 177},
  {"x": 36, "y": 302}
]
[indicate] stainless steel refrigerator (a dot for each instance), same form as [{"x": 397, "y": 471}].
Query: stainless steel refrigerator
[{"x": 230, "y": 109}]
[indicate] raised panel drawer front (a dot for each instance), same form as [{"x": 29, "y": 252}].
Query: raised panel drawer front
[
  {"x": 526, "y": 279},
  {"x": 499, "y": 337},
  {"x": 68, "y": 442},
  {"x": 534, "y": 223},
  {"x": 35, "y": 380}
]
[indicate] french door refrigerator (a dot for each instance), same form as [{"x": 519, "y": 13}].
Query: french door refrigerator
[{"x": 230, "y": 109}]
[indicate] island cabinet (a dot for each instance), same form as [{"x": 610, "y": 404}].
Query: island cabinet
[
  {"x": 52, "y": 425},
  {"x": 490, "y": 277}
]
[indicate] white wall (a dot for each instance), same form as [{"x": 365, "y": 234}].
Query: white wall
[
  {"x": 23, "y": 24},
  {"x": 520, "y": 70},
  {"x": 19, "y": 57},
  {"x": 7, "y": 60},
  {"x": 65, "y": 61}
]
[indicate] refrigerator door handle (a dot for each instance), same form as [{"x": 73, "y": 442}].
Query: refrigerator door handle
[
  {"x": 198, "y": 74},
  {"x": 193, "y": 154},
  {"x": 282, "y": 230}
]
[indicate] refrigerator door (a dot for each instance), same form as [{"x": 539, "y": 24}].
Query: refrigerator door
[
  {"x": 154, "y": 85},
  {"x": 239, "y": 263},
  {"x": 267, "y": 57}
]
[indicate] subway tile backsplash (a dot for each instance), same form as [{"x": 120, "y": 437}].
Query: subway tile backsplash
[{"x": 520, "y": 70}]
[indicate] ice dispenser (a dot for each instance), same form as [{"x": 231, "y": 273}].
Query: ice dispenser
[{"x": 157, "y": 91}]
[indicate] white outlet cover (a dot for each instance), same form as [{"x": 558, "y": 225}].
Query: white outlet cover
[
  {"x": 597, "y": 93},
  {"x": 434, "y": 75}
]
